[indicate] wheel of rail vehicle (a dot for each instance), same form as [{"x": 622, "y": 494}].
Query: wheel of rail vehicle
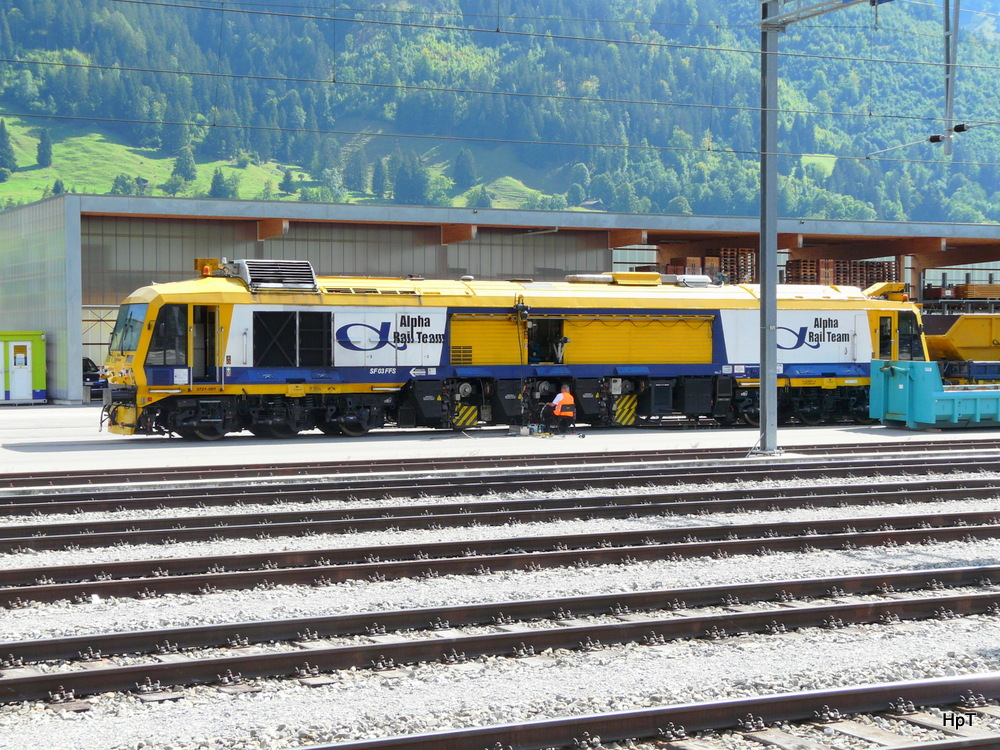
[
  {"x": 207, "y": 434},
  {"x": 728, "y": 419},
  {"x": 809, "y": 417},
  {"x": 353, "y": 429},
  {"x": 329, "y": 428}
]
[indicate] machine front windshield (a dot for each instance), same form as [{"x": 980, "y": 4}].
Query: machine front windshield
[{"x": 125, "y": 337}]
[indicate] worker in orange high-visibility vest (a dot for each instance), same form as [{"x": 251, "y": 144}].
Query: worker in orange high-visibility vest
[{"x": 564, "y": 409}]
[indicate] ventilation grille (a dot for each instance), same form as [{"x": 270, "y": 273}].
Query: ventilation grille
[
  {"x": 461, "y": 355},
  {"x": 294, "y": 275},
  {"x": 349, "y": 290}
]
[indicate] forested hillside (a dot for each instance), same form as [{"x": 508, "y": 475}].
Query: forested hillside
[{"x": 624, "y": 105}]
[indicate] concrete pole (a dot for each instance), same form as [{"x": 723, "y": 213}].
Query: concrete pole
[
  {"x": 951, "y": 11},
  {"x": 768, "y": 257}
]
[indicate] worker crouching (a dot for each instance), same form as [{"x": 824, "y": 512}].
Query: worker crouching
[{"x": 564, "y": 410}]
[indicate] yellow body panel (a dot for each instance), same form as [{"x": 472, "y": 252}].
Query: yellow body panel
[
  {"x": 970, "y": 337},
  {"x": 494, "y": 340},
  {"x": 826, "y": 383},
  {"x": 608, "y": 340},
  {"x": 497, "y": 339}
]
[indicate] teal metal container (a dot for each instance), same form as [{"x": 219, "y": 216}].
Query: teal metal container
[{"x": 912, "y": 394}]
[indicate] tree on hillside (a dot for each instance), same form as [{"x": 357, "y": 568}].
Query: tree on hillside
[
  {"x": 334, "y": 184},
  {"x": 380, "y": 179},
  {"x": 464, "y": 170},
  {"x": 56, "y": 188},
  {"x": 603, "y": 188},
  {"x": 576, "y": 194},
  {"x": 44, "y": 150},
  {"x": 218, "y": 186},
  {"x": 123, "y": 185},
  {"x": 224, "y": 187},
  {"x": 679, "y": 205},
  {"x": 356, "y": 171},
  {"x": 233, "y": 186},
  {"x": 175, "y": 134},
  {"x": 223, "y": 140},
  {"x": 184, "y": 165},
  {"x": 7, "y": 160},
  {"x": 287, "y": 184},
  {"x": 479, "y": 198},
  {"x": 267, "y": 194},
  {"x": 412, "y": 180},
  {"x": 175, "y": 184},
  {"x": 580, "y": 175}
]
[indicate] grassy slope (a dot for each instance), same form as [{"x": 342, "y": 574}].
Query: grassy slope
[{"x": 89, "y": 161}]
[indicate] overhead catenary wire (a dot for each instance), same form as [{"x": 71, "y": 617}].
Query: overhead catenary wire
[
  {"x": 454, "y": 90},
  {"x": 747, "y": 153},
  {"x": 561, "y": 37},
  {"x": 496, "y": 15},
  {"x": 229, "y": 6}
]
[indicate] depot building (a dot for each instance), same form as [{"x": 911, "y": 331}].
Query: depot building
[{"x": 68, "y": 261}]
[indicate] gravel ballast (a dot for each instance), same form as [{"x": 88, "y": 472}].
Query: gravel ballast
[{"x": 363, "y": 704}]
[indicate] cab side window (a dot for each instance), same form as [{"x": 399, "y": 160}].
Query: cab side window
[
  {"x": 910, "y": 343},
  {"x": 168, "y": 345}
]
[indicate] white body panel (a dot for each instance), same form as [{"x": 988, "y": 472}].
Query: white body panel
[
  {"x": 804, "y": 336},
  {"x": 362, "y": 336}
]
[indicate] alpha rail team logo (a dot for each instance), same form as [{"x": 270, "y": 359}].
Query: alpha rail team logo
[
  {"x": 822, "y": 331},
  {"x": 409, "y": 329}
]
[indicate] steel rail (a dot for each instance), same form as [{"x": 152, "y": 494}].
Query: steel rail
[
  {"x": 680, "y": 600},
  {"x": 381, "y": 465},
  {"x": 352, "y": 489},
  {"x": 697, "y": 717},
  {"x": 190, "y": 575},
  {"x": 439, "y": 647},
  {"x": 436, "y": 550},
  {"x": 516, "y": 510}
]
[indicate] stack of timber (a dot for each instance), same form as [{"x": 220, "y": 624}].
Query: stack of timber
[
  {"x": 977, "y": 291},
  {"x": 859, "y": 273},
  {"x": 738, "y": 264}
]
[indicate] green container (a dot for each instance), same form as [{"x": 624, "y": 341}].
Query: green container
[{"x": 23, "y": 367}]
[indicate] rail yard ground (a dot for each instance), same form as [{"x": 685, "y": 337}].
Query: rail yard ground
[
  {"x": 69, "y": 438},
  {"x": 714, "y": 579}
]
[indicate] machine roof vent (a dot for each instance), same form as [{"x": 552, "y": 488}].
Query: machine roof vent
[{"x": 287, "y": 275}]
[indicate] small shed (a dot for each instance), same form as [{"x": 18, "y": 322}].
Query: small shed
[{"x": 23, "y": 367}]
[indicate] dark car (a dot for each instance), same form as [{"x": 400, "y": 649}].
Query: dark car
[{"x": 93, "y": 378}]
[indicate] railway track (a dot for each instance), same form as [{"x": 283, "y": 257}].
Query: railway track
[
  {"x": 436, "y": 485},
  {"x": 831, "y": 712},
  {"x": 653, "y": 618},
  {"x": 206, "y": 574},
  {"x": 241, "y": 657},
  {"x": 98, "y": 533},
  {"x": 384, "y": 466}
]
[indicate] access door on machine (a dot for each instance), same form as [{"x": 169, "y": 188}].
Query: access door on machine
[{"x": 204, "y": 335}]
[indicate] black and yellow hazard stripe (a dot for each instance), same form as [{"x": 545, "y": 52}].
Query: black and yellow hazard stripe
[
  {"x": 625, "y": 409},
  {"x": 465, "y": 415}
]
